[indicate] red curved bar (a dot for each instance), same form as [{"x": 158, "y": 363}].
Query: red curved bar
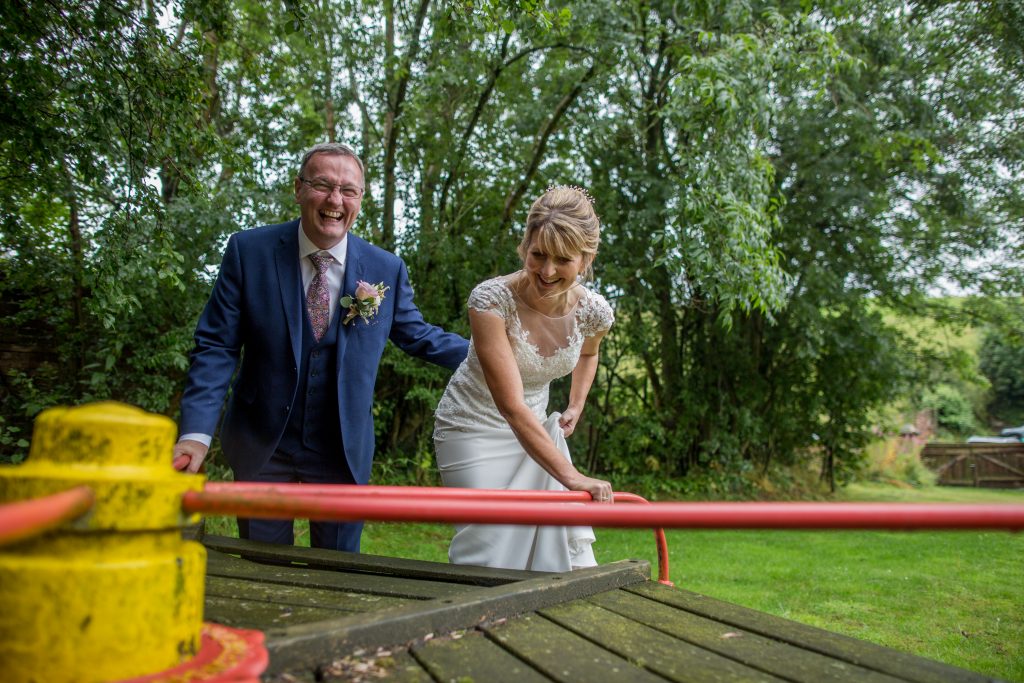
[
  {"x": 28, "y": 518},
  {"x": 892, "y": 516},
  {"x": 659, "y": 538},
  {"x": 535, "y": 507},
  {"x": 438, "y": 493}
]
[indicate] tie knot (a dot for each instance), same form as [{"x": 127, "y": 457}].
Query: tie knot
[{"x": 321, "y": 261}]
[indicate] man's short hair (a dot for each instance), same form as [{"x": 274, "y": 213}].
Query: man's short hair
[{"x": 337, "y": 148}]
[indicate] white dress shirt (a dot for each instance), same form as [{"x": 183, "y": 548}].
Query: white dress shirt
[
  {"x": 335, "y": 273},
  {"x": 335, "y": 277}
]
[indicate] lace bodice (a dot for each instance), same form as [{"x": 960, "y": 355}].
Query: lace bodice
[{"x": 545, "y": 349}]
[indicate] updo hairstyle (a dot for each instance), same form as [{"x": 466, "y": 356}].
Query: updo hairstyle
[{"x": 563, "y": 222}]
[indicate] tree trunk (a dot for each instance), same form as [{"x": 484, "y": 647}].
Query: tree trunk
[
  {"x": 828, "y": 468},
  {"x": 397, "y": 88},
  {"x": 539, "y": 146}
]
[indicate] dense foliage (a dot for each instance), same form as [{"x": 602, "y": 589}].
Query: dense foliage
[
  {"x": 768, "y": 174},
  {"x": 1001, "y": 358}
]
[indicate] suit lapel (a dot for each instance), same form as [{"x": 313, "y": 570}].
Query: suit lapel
[
  {"x": 290, "y": 283},
  {"x": 353, "y": 273}
]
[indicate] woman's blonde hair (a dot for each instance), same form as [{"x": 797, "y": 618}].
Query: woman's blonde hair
[{"x": 564, "y": 224}]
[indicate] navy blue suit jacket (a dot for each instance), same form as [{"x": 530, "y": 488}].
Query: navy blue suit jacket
[{"x": 254, "y": 317}]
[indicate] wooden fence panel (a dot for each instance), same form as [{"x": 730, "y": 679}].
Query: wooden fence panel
[{"x": 994, "y": 465}]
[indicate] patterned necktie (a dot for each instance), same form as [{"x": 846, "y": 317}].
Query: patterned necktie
[{"x": 318, "y": 296}]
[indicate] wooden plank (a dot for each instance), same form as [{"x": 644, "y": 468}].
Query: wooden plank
[
  {"x": 942, "y": 469},
  {"x": 307, "y": 644},
  {"x": 260, "y": 615},
  {"x": 218, "y": 564},
  {"x": 747, "y": 647},
  {"x": 1003, "y": 465},
  {"x": 403, "y": 668},
  {"x": 374, "y": 564},
  {"x": 394, "y": 666},
  {"x": 562, "y": 655},
  {"x": 658, "y": 652},
  {"x": 469, "y": 655},
  {"x": 297, "y": 596},
  {"x": 932, "y": 450},
  {"x": 859, "y": 652}
]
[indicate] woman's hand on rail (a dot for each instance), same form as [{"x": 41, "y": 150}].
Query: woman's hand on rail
[{"x": 599, "y": 490}]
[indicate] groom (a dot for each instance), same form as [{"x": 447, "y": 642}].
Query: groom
[{"x": 301, "y": 404}]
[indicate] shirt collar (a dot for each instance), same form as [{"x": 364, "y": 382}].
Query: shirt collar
[{"x": 306, "y": 247}]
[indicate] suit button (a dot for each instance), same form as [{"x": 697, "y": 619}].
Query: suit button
[{"x": 313, "y": 374}]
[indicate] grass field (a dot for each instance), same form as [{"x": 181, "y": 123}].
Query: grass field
[{"x": 957, "y": 597}]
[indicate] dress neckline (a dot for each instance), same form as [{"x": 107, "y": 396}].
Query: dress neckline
[{"x": 515, "y": 295}]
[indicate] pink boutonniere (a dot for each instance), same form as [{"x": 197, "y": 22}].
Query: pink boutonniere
[{"x": 364, "y": 303}]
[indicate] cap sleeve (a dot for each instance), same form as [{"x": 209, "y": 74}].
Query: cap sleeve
[
  {"x": 596, "y": 315},
  {"x": 492, "y": 296}
]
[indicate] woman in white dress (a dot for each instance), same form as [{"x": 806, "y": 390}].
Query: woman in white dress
[{"x": 492, "y": 430}]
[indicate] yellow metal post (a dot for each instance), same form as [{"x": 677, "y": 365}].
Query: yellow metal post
[{"x": 118, "y": 593}]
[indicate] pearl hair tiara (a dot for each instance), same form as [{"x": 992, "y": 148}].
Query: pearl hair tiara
[{"x": 579, "y": 189}]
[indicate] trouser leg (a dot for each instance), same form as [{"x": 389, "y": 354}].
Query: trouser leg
[
  {"x": 279, "y": 469},
  {"x": 319, "y": 468}
]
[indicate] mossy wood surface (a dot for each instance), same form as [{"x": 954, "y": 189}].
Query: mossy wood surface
[
  {"x": 471, "y": 654},
  {"x": 338, "y": 616},
  {"x": 373, "y": 564},
  {"x": 862, "y": 653},
  {"x": 304, "y": 644},
  {"x": 664, "y": 654},
  {"x": 763, "y": 653},
  {"x": 307, "y": 577}
]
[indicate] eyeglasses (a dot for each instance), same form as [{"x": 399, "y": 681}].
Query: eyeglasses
[{"x": 324, "y": 187}]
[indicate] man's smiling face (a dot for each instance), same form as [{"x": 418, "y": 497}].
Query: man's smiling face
[{"x": 327, "y": 216}]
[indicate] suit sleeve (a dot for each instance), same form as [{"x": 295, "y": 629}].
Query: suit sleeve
[
  {"x": 218, "y": 344},
  {"x": 418, "y": 338}
]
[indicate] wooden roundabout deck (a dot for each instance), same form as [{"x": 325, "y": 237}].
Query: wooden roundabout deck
[{"x": 329, "y": 615}]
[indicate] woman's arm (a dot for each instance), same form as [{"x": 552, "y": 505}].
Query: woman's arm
[
  {"x": 582, "y": 379},
  {"x": 506, "y": 385}
]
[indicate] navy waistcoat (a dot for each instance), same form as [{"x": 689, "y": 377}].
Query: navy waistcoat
[{"x": 314, "y": 424}]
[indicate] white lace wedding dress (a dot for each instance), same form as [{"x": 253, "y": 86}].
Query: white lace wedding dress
[{"x": 476, "y": 448}]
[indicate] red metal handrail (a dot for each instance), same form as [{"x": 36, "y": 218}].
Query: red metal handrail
[
  {"x": 390, "y": 508},
  {"x": 29, "y": 518},
  {"x": 894, "y": 516},
  {"x": 461, "y": 506},
  {"x": 434, "y": 493}
]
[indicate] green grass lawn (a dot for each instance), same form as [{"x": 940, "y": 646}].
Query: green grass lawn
[{"x": 957, "y": 597}]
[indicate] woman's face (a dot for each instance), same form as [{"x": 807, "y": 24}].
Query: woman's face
[{"x": 551, "y": 275}]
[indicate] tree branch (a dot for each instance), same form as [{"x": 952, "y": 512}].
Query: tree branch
[{"x": 539, "y": 147}]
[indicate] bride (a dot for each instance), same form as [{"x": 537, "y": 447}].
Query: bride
[{"x": 492, "y": 430}]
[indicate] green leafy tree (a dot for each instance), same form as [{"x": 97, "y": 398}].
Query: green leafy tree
[
  {"x": 1001, "y": 359},
  {"x": 952, "y": 411},
  {"x": 98, "y": 101},
  {"x": 768, "y": 176}
]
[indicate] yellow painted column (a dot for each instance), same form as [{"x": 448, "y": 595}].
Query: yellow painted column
[{"x": 118, "y": 593}]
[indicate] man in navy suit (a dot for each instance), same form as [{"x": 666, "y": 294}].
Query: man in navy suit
[{"x": 301, "y": 405}]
